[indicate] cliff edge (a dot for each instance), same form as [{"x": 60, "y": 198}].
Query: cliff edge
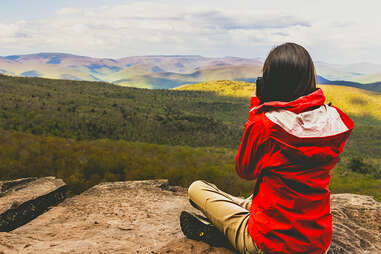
[{"x": 143, "y": 217}]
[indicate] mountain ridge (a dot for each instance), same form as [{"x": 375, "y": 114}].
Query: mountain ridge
[{"x": 164, "y": 71}]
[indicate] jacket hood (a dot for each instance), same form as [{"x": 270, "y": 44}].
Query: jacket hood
[
  {"x": 306, "y": 116},
  {"x": 303, "y": 103},
  {"x": 306, "y": 128}
]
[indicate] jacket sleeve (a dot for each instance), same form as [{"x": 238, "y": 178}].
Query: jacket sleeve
[{"x": 250, "y": 152}]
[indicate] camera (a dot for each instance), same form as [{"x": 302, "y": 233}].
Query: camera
[{"x": 260, "y": 88}]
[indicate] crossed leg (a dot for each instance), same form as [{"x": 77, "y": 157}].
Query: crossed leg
[{"x": 228, "y": 213}]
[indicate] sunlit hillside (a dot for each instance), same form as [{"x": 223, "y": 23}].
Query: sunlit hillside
[
  {"x": 223, "y": 88},
  {"x": 353, "y": 101}
]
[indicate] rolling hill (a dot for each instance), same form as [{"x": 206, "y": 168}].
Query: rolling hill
[
  {"x": 87, "y": 132},
  {"x": 376, "y": 87},
  {"x": 139, "y": 71},
  {"x": 356, "y": 102},
  {"x": 92, "y": 110},
  {"x": 163, "y": 72}
]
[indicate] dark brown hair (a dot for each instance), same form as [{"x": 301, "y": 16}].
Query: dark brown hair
[{"x": 288, "y": 73}]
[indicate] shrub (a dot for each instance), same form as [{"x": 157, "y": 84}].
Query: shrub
[{"x": 357, "y": 164}]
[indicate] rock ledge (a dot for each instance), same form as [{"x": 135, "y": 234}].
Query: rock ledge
[
  {"x": 24, "y": 199},
  {"x": 143, "y": 217}
]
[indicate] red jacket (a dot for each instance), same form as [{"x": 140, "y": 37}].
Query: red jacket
[{"x": 290, "y": 147}]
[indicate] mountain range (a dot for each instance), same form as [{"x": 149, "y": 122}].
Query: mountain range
[{"x": 169, "y": 71}]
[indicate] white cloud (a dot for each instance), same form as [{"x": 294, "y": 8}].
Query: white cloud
[
  {"x": 68, "y": 11},
  {"x": 222, "y": 28}
]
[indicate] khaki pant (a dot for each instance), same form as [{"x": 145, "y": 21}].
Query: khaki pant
[{"x": 228, "y": 213}]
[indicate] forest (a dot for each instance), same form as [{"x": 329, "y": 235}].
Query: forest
[
  {"x": 91, "y": 110},
  {"x": 90, "y": 132}
]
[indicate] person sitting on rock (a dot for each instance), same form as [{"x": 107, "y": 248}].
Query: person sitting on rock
[{"x": 291, "y": 142}]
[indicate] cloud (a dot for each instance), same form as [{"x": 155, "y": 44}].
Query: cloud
[
  {"x": 216, "y": 18},
  {"x": 157, "y": 27},
  {"x": 68, "y": 11},
  {"x": 8, "y": 30},
  {"x": 139, "y": 28}
]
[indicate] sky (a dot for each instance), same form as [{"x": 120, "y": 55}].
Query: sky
[{"x": 333, "y": 31}]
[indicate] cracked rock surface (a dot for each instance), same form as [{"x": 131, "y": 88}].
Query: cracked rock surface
[{"x": 143, "y": 217}]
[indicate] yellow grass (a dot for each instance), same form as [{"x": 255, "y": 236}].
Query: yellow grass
[{"x": 351, "y": 100}]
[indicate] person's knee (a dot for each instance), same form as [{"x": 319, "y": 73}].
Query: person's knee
[{"x": 195, "y": 187}]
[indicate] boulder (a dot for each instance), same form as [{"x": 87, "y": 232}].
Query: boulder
[
  {"x": 24, "y": 199},
  {"x": 143, "y": 217}
]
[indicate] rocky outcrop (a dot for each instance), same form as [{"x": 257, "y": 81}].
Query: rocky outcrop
[
  {"x": 24, "y": 199},
  {"x": 356, "y": 224},
  {"x": 143, "y": 217}
]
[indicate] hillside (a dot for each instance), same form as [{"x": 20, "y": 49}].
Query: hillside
[
  {"x": 82, "y": 164},
  {"x": 138, "y": 71},
  {"x": 375, "y": 87},
  {"x": 88, "y": 110},
  {"x": 242, "y": 72},
  {"x": 353, "y": 101},
  {"x": 105, "y": 130}
]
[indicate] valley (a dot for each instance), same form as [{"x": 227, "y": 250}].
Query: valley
[{"x": 91, "y": 132}]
